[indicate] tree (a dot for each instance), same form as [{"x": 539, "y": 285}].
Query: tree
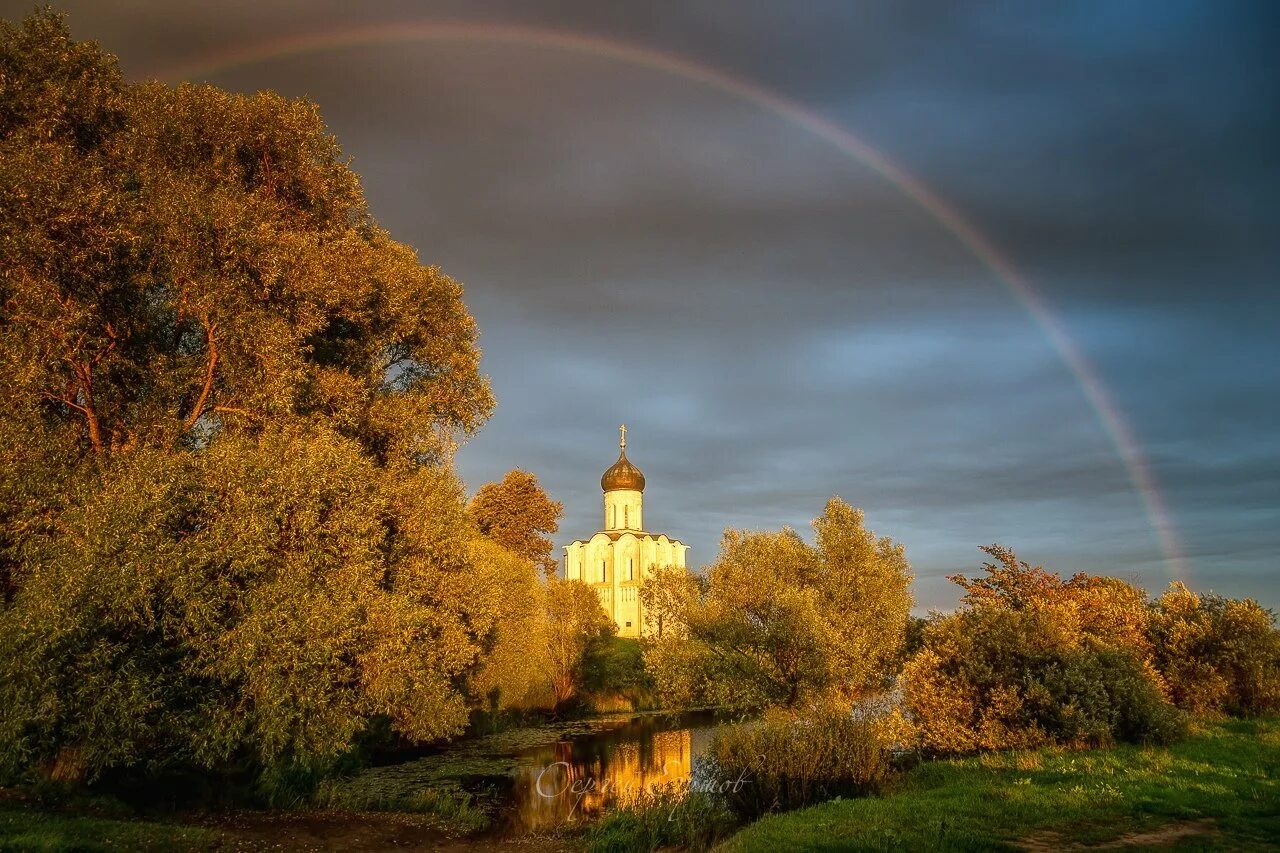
[
  {"x": 513, "y": 658},
  {"x": 516, "y": 513},
  {"x": 228, "y": 528},
  {"x": 1107, "y": 610},
  {"x": 182, "y": 261},
  {"x": 778, "y": 620},
  {"x": 867, "y": 582},
  {"x": 575, "y": 620}
]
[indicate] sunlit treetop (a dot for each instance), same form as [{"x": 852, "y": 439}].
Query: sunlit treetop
[{"x": 180, "y": 261}]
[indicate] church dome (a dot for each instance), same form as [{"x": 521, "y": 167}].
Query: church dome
[{"x": 622, "y": 475}]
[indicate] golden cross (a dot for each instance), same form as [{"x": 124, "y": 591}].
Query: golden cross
[{"x": 623, "y": 441}]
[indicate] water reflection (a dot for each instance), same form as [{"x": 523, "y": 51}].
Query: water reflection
[{"x": 576, "y": 779}]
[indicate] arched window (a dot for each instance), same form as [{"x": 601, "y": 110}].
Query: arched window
[
  {"x": 602, "y": 572},
  {"x": 631, "y": 568}
]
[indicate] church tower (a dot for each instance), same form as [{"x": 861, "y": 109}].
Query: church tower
[
  {"x": 617, "y": 559},
  {"x": 623, "y": 486}
]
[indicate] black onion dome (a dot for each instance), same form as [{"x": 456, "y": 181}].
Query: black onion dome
[{"x": 622, "y": 475}]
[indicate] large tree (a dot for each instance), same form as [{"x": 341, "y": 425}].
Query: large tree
[
  {"x": 184, "y": 261},
  {"x": 228, "y": 399},
  {"x": 778, "y": 620}
]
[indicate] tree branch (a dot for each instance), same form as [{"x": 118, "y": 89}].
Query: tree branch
[
  {"x": 235, "y": 411},
  {"x": 209, "y": 329},
  {"x": 85, "y": 374}
]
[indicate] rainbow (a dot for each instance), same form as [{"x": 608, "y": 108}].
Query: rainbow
[{"x": 842, "y": 139}]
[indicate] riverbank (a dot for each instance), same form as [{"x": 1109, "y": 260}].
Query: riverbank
[
  {"x": 1219, "y": 788},
  {"x": 468, "y": 794},
  {"x": 24, "y": 827}
]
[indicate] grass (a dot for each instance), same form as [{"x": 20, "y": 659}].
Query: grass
[
  {"x": 26, "y": 829},
  {"x": 661, "y": 819},
  {"x": 1221, "y": 784}
]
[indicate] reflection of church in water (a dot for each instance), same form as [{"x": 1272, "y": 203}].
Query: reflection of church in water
[
  {"x": 616, "y": 560},
  {"x": 572, "y": 781}
]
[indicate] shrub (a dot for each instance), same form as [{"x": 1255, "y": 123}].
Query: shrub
[
  {"x": 1097, "y": 696},
  {"x": 995, "y": 678},
  {"x": 790, "y": 759},
  {"x": 1217, "y": 655},
  {"x": 614, "y": 676}
]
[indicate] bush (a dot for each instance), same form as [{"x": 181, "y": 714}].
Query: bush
[
  {"x": 994, "y": 678},
  {"x": 1217, "y": 655},
  {"x": 1101, "y": 696},
  {"x": 787, "y": 759},
  {"x": 663, "y": 817}
]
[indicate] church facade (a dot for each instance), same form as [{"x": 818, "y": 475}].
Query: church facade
[{"x": 617, "y": 559}]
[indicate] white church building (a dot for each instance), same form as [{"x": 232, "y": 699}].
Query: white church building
[{"x": 617, "y": 559}]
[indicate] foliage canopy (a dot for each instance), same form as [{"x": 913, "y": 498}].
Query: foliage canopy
[
  {"x": 228, "y": 400},
  {"x": 778, "y": 620},
  {"x": 518, "y": 515}
]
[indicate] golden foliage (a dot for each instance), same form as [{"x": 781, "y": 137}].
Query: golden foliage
[
  {"x": 514, "y": 663},
  {"x": 575, "y": 619},
  {"x": 227, "y": 404},
  {"x": 182, "y": 260},
  {"x": 516, "y": 513},
  {"x": 1217, "y": 655},
  {"x": 1031, "y": 659},
  {"x": 780, "y": 621}
]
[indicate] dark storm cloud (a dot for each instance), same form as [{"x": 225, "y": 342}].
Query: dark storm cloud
[{"x": 775, "y": 321}]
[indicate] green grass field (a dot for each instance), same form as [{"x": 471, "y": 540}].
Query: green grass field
[{"x": 1218, "y": 789}]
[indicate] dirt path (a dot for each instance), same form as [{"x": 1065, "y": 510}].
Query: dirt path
[{"x": 1162, "y": 837}]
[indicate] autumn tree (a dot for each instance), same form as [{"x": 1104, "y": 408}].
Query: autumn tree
[
  {"x": 778, "y": 620},
  {"x": 513, "y": 663},
  {"x": 1109, "y": 611},
  {"x": 228, "y": 398},
  {"x": 183, "y": 261},
  {"x": 518, "y": 515},
  {"x": 575, "y": 620}
]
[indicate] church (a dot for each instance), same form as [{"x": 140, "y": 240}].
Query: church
[{"x": 617, "y": 559}]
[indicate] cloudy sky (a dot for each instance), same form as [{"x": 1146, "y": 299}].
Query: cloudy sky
[{"x": 775, "y": 320}]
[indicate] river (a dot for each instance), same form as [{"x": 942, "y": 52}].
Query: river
[
  {"x": 535, "y": 778},
  {"x": 577, "y": 777}
]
